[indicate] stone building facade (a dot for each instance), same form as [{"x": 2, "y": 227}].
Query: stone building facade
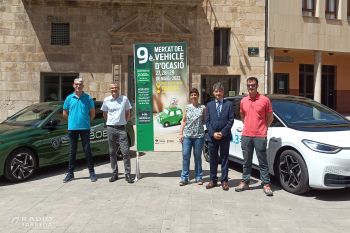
[
  {"x": 101, "y": 38},
  {"x": 309, "y": 47}
]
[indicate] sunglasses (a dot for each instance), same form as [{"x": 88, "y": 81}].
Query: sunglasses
[{"x": 251, "y": 85}]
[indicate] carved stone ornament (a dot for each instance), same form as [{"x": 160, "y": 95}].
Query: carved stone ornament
[
  {"x": 116, "y": 17},
  {"x": 151, "y": 22}
]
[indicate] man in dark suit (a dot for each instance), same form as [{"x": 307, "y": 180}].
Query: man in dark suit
[{"x": 219, "y": 119}]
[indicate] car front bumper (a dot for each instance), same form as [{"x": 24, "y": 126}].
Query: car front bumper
[{"x": 329, "y": 171}]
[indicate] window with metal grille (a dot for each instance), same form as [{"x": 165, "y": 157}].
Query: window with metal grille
[
  {"x": 222, "y": 47},
  {"x": 309, "y": 7},
  {"x": 331, "y": 9},
  {"x": 60, "y": 34}
]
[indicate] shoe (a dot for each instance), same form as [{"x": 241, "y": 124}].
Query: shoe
[
  {"x": 113, "y": 178},
  {"x": 128, "y": 179},
  {"x": 225, "y": 186},
  {"x": 267, "y": 190},
  {"x": 199, "y": 182},
  {"x": 183, "y": 183},
  {"x": 241, "y": 187},
  {"x": 212, "y": 184},
  {"x": 69, "y": 177},
  {"x": 93, "y": 177}
]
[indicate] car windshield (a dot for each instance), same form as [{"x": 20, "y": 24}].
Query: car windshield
[
  {"x": 31, "y": 116},
  {"x": 306, "y": 113},
  {"x": 166, "y": 111}
]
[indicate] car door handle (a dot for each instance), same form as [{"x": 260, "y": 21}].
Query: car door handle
[{"x": 239, "y": 129}]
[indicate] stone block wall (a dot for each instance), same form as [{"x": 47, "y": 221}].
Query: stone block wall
[
  {"x": 26, "y": 51},
  {"x": 246, "y": 19}
]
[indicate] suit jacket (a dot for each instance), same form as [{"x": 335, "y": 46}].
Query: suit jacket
[{"x": 222, "y": 124}]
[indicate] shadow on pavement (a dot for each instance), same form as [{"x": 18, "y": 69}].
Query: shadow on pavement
[
  {"x": 62, "y": 168},
  {"x": 275, "y": 184},
  {"x": 330, "y": 195}
]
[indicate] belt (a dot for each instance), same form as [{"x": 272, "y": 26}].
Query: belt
[{"x": 116, "y": 126}]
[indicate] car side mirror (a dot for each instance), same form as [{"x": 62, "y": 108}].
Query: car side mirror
[{"x": 53, "y": 124}]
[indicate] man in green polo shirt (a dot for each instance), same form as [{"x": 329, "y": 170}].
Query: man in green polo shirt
[{"x": 79, "y": 110}]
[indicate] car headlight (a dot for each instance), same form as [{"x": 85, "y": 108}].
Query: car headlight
[{"x": 320, "y": 147}]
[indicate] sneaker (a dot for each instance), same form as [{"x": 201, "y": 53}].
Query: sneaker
[
  {"x": 114, "y": 178},
  {"x": 241, "y": 187},
  {"x": 267, "y": 190},
  {"x": 93, "y": 177},
  {"x": 69, "y": 177},
  {"x": 129, "y": 179}
]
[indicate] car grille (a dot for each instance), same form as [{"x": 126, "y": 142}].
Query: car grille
[
  {"x": 342, "y": 171},
  {"x": 336, "y": 180}
]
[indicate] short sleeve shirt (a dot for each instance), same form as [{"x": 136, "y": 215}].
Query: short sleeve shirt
[
  {"x": 255, "y": 111},
  {"x": 115, "y": 109},
  {"x": 79, "y": 111},
  {"x": 194, "y": 122}
]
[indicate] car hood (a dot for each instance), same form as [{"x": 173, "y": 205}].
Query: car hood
[
  {"x": 8, "y": 131},
  {"x": 338, "y": 138}
]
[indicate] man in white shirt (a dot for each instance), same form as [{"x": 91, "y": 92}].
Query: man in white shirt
[{"x": 116, "y": 111}]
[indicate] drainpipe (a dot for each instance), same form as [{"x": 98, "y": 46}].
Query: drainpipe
[{"x": 266, "y": 38}]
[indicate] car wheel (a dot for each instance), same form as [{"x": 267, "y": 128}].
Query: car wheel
[
  {"x": 20, "y": 165},
  {"x": 293, "y": 173},
  {"x": 206, "y": 151},
  {"x": 180, "y": 121},
  {"x": 166, "y": 124}
]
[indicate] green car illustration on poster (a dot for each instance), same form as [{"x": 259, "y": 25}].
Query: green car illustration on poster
[
  {"x": 37, "y": 136},
  {"x": 170, "y": 116}
]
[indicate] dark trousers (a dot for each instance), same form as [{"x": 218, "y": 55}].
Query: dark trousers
[
  {"x": 248, "y": 145},
  {"x": 224, "y": 154},
  {"x": 73, "y": 136}
]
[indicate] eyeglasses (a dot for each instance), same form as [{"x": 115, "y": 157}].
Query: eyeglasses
[
  {"x": 78, "y": 84},
  {"x": 251, "y": 85}
]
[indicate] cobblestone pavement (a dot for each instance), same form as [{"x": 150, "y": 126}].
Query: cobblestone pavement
[{"x": 158, "y": 204}]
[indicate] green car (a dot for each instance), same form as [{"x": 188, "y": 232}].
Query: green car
[
  {"x": 37, "y": 136},
  {"x": 170, "y": 116}
]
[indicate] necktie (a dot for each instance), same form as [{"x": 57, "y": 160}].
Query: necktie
[{"x": 218, "y": 108}]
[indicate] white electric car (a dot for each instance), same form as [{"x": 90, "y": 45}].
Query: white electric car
[{"x": 308, "y": 144}]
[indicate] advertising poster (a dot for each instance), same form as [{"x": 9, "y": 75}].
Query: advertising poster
[
  {"x": 161, "y": 94},
  {"x": 281, "y": 84}
]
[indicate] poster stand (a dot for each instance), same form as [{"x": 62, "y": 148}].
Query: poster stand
[{"x": 137, "y": 172}]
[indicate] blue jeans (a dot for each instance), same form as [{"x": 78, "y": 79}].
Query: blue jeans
[
  {"x": 73, "y": 136},
  {"x": 187, "y": 144}
]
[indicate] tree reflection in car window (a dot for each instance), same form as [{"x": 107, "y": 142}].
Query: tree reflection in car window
[
  {"x": 305, "y": 112},
  {"x": 32, "y": 116},
  {"x": 59, "y": 116}
]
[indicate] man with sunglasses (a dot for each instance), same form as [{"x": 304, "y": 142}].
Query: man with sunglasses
[
  {"x": 257, "y": 115},
  {"x": 79, "y": 110}
]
